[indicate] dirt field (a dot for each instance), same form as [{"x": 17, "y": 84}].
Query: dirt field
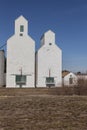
[{"x": 42, "y": 112}]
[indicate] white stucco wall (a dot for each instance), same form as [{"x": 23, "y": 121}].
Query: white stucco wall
[
  {"x": 20, "y": 55},
  {"x": 67, "y": 77},
  {"x": 48, "y": 57},
  {"x": 2, "y": 67}
]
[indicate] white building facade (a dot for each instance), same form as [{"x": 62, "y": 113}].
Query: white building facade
[
  {"x": 48, "y": 62},
  {"x": 20, "y": 57}
]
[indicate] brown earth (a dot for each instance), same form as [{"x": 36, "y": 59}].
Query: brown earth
[{"x": 36, "y": 111}]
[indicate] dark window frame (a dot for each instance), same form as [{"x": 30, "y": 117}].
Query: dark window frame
[
  {"x": 71, "y": 80},
  {"x": 21, "y": 28},
  {"x": 20, "y": 79},
  {"x": 50, "y": 79}
]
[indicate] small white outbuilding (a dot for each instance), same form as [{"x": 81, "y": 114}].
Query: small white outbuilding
[
  {"x": 48, "y": 62},
  {"x": 20, "y": 57},
  {"x": 69, "y": 79}
]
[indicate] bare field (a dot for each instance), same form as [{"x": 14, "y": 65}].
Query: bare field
[{"x": 42, "y": 112}]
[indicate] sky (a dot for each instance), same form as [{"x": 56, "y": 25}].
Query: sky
[{"x": 66, "y": 18}]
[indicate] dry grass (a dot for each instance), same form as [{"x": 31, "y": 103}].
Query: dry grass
[{"x": 43, "y": 112}]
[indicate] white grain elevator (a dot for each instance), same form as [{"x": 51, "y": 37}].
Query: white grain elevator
[
  {"x": 20, "y": 57},
  {"x": 48, "y": 62}
]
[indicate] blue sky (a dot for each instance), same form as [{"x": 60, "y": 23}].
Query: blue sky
[{"x": 67, "y": 18}]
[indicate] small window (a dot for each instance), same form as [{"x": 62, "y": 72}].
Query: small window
[
  {"x": 21, "y": 34},
  {"x": 21, "y": 28},
  {"x": 50, "y": 79},
  {"x": 70, "y": 76},
  {"x": 70, "y": 80},
  {"x": 50, "y": 43},
  {"x": 20, "y": 79}
]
